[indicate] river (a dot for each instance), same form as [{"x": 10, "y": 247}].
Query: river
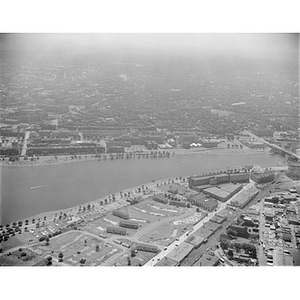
[{"x": 28, "y": 191}]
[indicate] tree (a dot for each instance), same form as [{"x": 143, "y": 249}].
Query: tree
[
  {"x": 82, "y": 261},
  {"x": 49, "y": 260},
  {"x": 230, "y": 253},
  {"x": 224, "y": 245},
  {"x": 60, "y": 256},
  {"x": 197, "y": 210},
  {"x": 97, "y": 248},
  {"x": 47, "y": 241}
]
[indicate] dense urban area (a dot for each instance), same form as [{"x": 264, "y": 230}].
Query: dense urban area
[{"x": 60, "y": 109}]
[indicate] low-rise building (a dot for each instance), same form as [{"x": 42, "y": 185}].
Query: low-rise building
[
  {"x": 116, "y": 230},
  {"x": 147, "y": 248},
  {"x": 209, "y": 260},
  {"x": 129, "y": 224},
  {"x": 121, "y": 214},
  {"x": 180, "y": 252}
]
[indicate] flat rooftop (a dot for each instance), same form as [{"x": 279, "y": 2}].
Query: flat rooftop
[
  {"x": 204, "y": 232},
  {"x": 166, "y": 262},
  {"x": 212, "y": 226},
  {"x": 180, "y": 252},
  {"x": 230, "y": 187},
  {"x": 195, "y": 240},
  {"x": 217, "y": 192}
]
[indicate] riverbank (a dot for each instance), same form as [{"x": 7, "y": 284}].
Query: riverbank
[
  {"x": 67, "y": 159},
  {"x": 120, "y": 199}
]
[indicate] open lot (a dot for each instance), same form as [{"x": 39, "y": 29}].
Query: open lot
[
  {"x": 62, "y": 240},
  {"x": 86, "y": 247}
]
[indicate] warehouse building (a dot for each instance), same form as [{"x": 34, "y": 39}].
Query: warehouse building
[
  {"x": 222, "y": 178},
  {"x": 214, "y": 179},
  {"x": 129, "y": 224},
  {"x": 224, "y": 213},
  {"x": 161, "y": 198},
  {"x": 209, "y": 260},
  {"x": 201, "y": 201},
  {"x": 116, "y": 230},
  {"x": 147, "y": 248},
  {"x": 195, "y": 240},
  {"x": 217, "y": 193},
  {"x": 121, "y": 214},
  {"x": 166, "y": 262},
  {"x": 204, "y": 232},
  {"x": 198, "y": 180},
  {"x": 212, "y": 226},
  {"x": 242, "y": 199},
  {"x": 180, "y": 252},
  {"x": 177, "y": 203},
  {"x": 239, "y": 177},
  {"x": 217, "y": 219},
  {"x": 263, "y": 177}
]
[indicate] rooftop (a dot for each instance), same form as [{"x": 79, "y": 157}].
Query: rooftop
[{"x": 180, "y": 252}]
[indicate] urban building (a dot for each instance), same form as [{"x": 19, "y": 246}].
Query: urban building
[
  {"x": 180, "y": 252},
  {"x": 209, "y": 260},
  {"x": 208, "y": 204},
  {"x": 263, "y": 177},
  {"x": 161, "y": 198},
  {"x": 177, "y": 203},
  {"x": 147, "y": 248},
  {"x": 129, "y": 224},
  {"x": 116, "y": 230},
  {"x": 121, "y": 214}
]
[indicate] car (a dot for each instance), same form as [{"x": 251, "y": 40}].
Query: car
[
  {"x": 166, "y": 248},
  {"x": 177, "y": 239}
]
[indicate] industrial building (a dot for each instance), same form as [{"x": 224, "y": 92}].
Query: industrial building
[
  {"x": 195, "y": 240},
  {"x": 204, "y": 232},
  {"x": 180, "y": 252},
  {"x": 244, "y": 197},
  {"x": 220, "y": 178},
  {"x": 212, "y": 226},
  {"x": 121, "y": 214},
  {"x": 116, "y": 230},
  {"x": 129, "y": 224},
  {"x": 239, "y": 177},
  {"x": 161, "y": 198},
  {"x": 166, "y": 262},
  {"x": 147, "y": 248},
  {"x": 201, "y": 201},
  {"x": 209, "y": 260},
  {"x": 217, "y": 219},
  {"x": 217, "y": 193},
  {"x": 263, "y": 177},
  {"x": 177, "y": 203},
  {"x": 224, "y": 213}
]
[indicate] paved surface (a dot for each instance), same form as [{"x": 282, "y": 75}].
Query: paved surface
[
  {"x": 183, "y": 237},
  {"x": 23, "y": 152}
]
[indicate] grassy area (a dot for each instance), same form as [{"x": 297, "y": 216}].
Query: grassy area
[{"x": 61, "y": 240}]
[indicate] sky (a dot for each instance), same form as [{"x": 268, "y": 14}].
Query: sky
[{"x": 260, "y": 45}]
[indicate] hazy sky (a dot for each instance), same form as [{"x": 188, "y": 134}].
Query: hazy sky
[{"x": 252, "y": 45}]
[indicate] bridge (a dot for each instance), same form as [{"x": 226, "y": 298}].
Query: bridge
[{"x": 291, "y": 154}]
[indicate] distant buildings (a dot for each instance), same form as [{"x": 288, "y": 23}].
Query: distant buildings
[{"x": 263, "y": 177}]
